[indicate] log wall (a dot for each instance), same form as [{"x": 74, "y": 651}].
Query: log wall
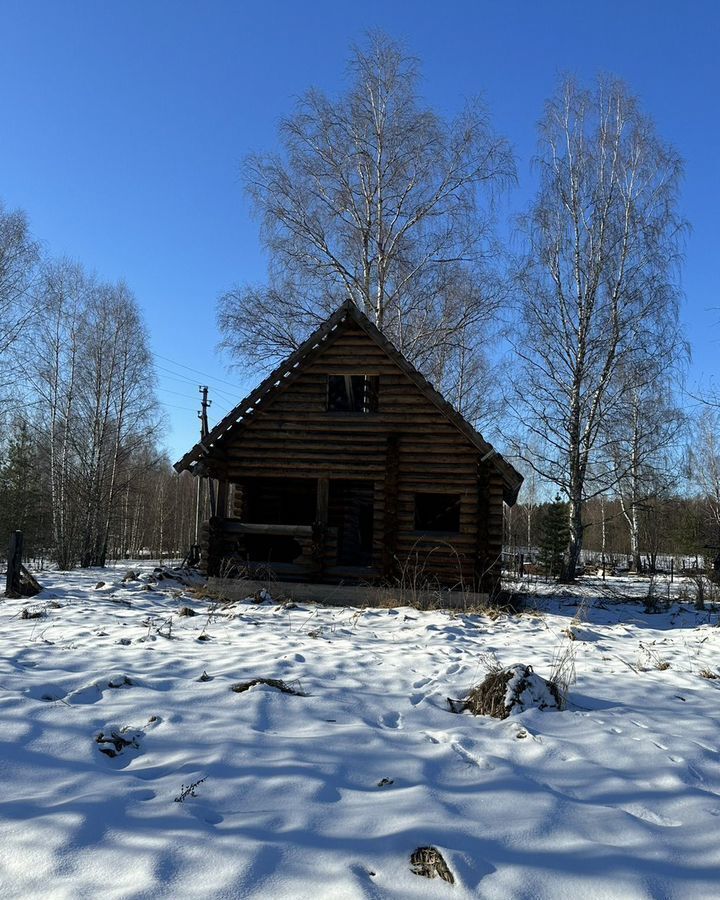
[{"x": 407, "y": 446}]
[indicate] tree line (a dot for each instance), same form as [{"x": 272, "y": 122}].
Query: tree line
[
  {"x": 81, "y": 472},
  {"x": 375, "y": 196},
  {"x": 563, "y": 345}
]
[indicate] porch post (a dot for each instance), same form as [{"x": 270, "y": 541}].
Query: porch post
[{"x": 320, "y": 524}]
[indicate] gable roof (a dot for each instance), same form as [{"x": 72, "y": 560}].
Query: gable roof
[{"x": 291, "y": 368}]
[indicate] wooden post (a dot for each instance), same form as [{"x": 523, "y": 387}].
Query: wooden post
[
  {"x": 14, "y": 564},
  {"x": 222, "y": 497},
  {"x": 320, "y": 525},
  {"x": 392, "y": 472},
  {"x": 215, "y": 545}
]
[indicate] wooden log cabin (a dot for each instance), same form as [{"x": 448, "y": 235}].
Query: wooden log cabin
[{"x": 345, "y": 465}]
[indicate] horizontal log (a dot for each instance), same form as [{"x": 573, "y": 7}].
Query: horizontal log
[
  {"x": 324, "y": 470},
  {"x": 297, "y": 428},
  {"x": 339, "y": 368},
  {"x": 298, "y": 456},
  {"x": 232, "y": 527},
  {"x": 412, "y": 423},
  {"x": 313, "y": 445}
]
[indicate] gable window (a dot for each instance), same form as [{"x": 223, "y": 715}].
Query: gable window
[
  {"x": 437, "y": 512},
  {"x": 352, "y": 393}
]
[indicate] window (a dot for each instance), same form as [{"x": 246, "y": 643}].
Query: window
[
  {"x": 437, "y": 512},
  {"x": 352, "y": 393}
]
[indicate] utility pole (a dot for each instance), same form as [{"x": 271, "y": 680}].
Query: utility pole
[
  {"x": 205, "y": 404},
  {"x": 202, "y": 413}
]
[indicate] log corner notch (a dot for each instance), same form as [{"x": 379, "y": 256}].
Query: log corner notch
[{"x": 19, "y": 582}]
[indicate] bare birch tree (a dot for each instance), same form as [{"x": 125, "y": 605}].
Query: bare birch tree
[
  {"x": 95, "y": 384},
  {"x": 603, "y": 248},
  {"x": 377, "y": 199},
  {"x": 644, "y": 440},
  {"x": 19, "y": 255},
  {"x": 118, "y": 412},
  {"x": 53, "y": 370}
]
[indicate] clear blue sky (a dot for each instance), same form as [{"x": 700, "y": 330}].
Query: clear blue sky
[{"x": 122, "y": 126}]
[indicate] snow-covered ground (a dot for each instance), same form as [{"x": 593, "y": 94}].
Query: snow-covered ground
[{"x": 617, "y": 796}]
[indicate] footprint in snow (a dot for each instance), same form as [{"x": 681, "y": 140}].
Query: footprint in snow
[
  {"x": 470, "y": 758},
  {"x": 421, "y": 683},
  {"x": 204, "y": 814},
  {"x": 653, "y": 818},
  {"x": 48, "y": 693},
  {"x": 391, "y": 720},
  {"x": 93, "y": 692}
]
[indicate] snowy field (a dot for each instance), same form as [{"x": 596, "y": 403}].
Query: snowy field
[{"x": 326, "y": 795}]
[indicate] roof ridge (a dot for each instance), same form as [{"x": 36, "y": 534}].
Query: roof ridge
[{"x": 290, "y": 366}]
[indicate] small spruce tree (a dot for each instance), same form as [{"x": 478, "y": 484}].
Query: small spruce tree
[{"x": 555, "y": 533}]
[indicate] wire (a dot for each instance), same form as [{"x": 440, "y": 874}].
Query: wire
[
  {"x": 184, "y": 408},
  {"x": 174, "y": 376},
  {"x": 196, "y": 371}
]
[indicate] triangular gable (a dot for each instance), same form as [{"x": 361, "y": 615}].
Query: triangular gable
[{"x": 291, "y": 367}]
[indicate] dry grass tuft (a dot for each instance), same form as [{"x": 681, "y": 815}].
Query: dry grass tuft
[
  {"x": 490, "y": 697},
  {"x": 709, "y": 674},
  {"x": 276, "y": 683},
  {"x": 429, "y": 862}
]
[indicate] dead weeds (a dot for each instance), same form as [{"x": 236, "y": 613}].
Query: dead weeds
[
  {"x": 276, "y": 683},
  {"x": 429, "y": 862}
]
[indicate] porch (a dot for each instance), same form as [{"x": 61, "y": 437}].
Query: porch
[{"x": 295, "y": 529}]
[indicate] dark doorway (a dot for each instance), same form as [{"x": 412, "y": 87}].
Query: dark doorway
[
  {"x": 350, "y": 510},
  {"x": 280, "y": 501}
]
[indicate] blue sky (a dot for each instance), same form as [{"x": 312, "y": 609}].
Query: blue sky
[{"x": 122, "y": 128}]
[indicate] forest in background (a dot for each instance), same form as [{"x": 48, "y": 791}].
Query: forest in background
[
  {"x": 83, "y": 472},
  {"x": 374, "y": 196}
]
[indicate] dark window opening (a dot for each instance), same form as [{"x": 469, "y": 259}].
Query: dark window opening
[
  {"x": 353, "y": 393},
  {"x": 280, "y": 501},
  {"x": 437, "y": 512},
  {"x": 350, "y": 511}
]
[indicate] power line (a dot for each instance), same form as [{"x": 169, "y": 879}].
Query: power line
[
  {"x": 183, "y": 408},
  {"x": 175, "y": 376},
  {"x": 196, "y": 371},
  {"x": 165, "y": 390}
]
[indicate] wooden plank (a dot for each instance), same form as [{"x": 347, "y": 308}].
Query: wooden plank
[{"x": 229, "y": 526}]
